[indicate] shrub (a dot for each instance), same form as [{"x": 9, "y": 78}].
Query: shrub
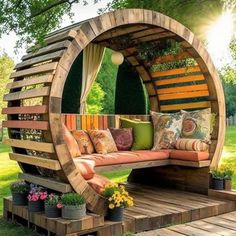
[
  {"x": 72, "y": 199},
  {"x": 217, "y": 173},
  {"x": 20, "y": 187}
]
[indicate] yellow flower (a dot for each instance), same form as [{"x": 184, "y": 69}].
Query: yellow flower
[{"x": 111, "y": 206}]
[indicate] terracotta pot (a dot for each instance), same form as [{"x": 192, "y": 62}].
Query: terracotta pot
[
  {"x": 228, "y": 184},
  {"x": 74, "y": 212},
  {"x": 19, "y": 199},
  {"x": 115, "y": 214}
]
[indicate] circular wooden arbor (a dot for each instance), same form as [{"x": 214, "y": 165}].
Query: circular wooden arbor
[{"x": 36, "y": 88}]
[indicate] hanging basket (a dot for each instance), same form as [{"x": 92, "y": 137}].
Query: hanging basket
[
  {"x": 36, "y": 206},
  {"x": 115, "y": 214},
  {"x": 52, "y": 211},
  {"x": 19, "y": 199}
]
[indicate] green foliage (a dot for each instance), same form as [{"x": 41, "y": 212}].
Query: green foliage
[
  {"x": 19, "y": 187},
  {"x": 33, "y": 19},
  {"x": 128, "y": 234},
  {"x": 217, "y": 173},
  {"x": 72, "y": 199},
  {"x": 107, "y": 80},
  {"x": 95, "y": 99},
  {"x": 52, "y": 199},
  {"x": 228, "y": 172},
  {"x": 6, "y": 67},
  {"x": 130, "y": 96}
]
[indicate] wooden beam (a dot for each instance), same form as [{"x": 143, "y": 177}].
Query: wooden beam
[
  {"x": 36, "y": 161},
  {"x": 26, "y": 110},
  {"x": 222, "y": 194},
  {"x": 31, "y": 93},
  {"x": 35, "y": 70},
  {"x": 47, "y": 182},
  {"x": 39, "y": 79},
  {"x": 192, "y": 105},
  {"x": 197, "y": 164},
  {"x": 32, "y": 145},
  {"x": 26, "y": 124}
]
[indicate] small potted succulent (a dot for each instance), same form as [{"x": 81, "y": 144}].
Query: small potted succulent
[
  {"x": 36, "y": 198},
  {"x": 118, "y": 199},
  {"x": 19, "y": 192},
  {"x": 73, "y": 206},
  {"x": 53, "y": 206},
  {"x": 228, "y": 173},
  {"x": 217, "y": 178}
]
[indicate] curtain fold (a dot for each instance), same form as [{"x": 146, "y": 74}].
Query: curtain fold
[{"x": 92, "y": 60}]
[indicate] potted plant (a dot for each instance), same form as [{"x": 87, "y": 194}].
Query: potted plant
[
  {"x": 19, "y": 192},
  {"x": 217, "y": 178},
  {"x": 73, "y": 206},
  {"x": 53, "y": 206},
  {"x": 118, "y": 199},
  {"x": 228, "y": 173},
  {"x": 36, "y": 198}
]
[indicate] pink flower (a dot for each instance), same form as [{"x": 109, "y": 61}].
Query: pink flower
[
  {"x": 43, "y": 195},
  {"x": 34, "y": 197},
  {"x": 59, "y": 205}
]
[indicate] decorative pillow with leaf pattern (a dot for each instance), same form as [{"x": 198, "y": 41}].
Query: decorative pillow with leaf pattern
[
  {"x": 167, "y": 129},
  {"x": 197, "y": 124}
]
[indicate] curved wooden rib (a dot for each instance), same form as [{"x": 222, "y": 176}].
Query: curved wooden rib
[{"x": 51, "y": 64}]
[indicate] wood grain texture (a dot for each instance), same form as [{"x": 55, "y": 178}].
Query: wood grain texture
[
  {"x": 25, "y": 110},
  {"x": 26, "y": 124}
]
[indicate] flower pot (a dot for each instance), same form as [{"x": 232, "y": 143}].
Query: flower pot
[
  {"x": 74, "y": 212},
  {"x": 52, "y": 211},
  {"x": 115, "y": 214},
  {"x": 36, "y": 206},
  {"x": 19, "y": 199},
  {"x": 228, "y": 184},
  {"x": 218, "y": 184}
]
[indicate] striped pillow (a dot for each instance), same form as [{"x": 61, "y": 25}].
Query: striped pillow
[{"x": 191, "y": 145}]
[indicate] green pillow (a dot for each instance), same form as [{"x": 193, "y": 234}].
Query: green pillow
[{"x": 142, "y": 132}]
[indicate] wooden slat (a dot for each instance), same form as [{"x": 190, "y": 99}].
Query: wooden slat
[
  {"x": 31, "y": 81},
  {"x": 172, "y": 96},
  {"x": 154, "y": 37},
  {"x": 176, "y": 71},
  {"x": 48, "y": 49},
  {"x": 35, "y": 70},
  {"x": 147, "y": 32},
  {"x": 26, "y": 110},
  {"x": 47, "y": 182},
  {"x": 180, "y": 80},
  {"x": 32, "y": 145},
  {"x": 36, "y": 161},
  {"x": 176, "y": 107},
  {"x": 197, "y": 164},
  {"x": 198, "y": 87},
  {"x": 26, "y": 124},
  {"x": 137, "y": 165},
  {"x": 31, "y": 93},
  {"x": 39, "y": 59}
]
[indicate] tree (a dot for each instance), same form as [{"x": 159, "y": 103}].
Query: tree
[
  {"x": 6, "y": 67},
  {"x": 33, "y": 19}
]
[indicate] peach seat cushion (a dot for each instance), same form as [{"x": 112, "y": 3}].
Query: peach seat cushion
[
  {"x": 189, "y": 155},
  {"x": 125, "y": 157}
]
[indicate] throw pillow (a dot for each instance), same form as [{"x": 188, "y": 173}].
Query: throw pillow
[
  {"x": 86, "y": 168},
  {"x": 123, "y": 138},
  {"x": 84, "y": 141},
  {"x": 191, "y": 145},
  {"x": 197, "y": 124},
  {"x": 142, "y": 133},
  {"x": 98, "y": 183},
  {"x": 70, "y": 142},
  {"x": 167, "y": 129},
  {"x": 103, "y": 141}
]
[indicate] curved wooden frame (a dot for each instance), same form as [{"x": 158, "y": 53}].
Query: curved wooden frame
[{"x": 60, "y": 51}]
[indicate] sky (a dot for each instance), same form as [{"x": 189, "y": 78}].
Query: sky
[{"x": 7, "y": 42}]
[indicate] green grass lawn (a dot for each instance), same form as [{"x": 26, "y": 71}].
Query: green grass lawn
[{"x": 9, "y": 171}]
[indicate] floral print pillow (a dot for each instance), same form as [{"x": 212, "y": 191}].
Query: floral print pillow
[
  {"x": 103, "y": 141},
  {"x": 197, "y": 124},
  {"x": 167, "y": 129}
]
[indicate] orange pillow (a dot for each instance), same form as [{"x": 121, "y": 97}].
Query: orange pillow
[
  {"x": 86, "y": 169},
  {"x": 70, "y": 142},
  {"x": 84, "y": 142},
  {"x": 191, "y": 145},
  {"x": 103, "y": 141},
  {"x": 98, "y": 183}
]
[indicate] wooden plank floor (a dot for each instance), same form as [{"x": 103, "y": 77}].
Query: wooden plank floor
[
  {"x": 224, "y": 225},
  {"x": 156, "y": 208}
]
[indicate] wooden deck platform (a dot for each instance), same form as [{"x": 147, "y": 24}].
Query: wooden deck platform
[
  {"x": 224, "y": 225},
  {"x": 154, "y": 208}
]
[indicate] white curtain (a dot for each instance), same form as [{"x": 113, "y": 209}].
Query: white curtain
[{"x": 92, "y": 60}]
